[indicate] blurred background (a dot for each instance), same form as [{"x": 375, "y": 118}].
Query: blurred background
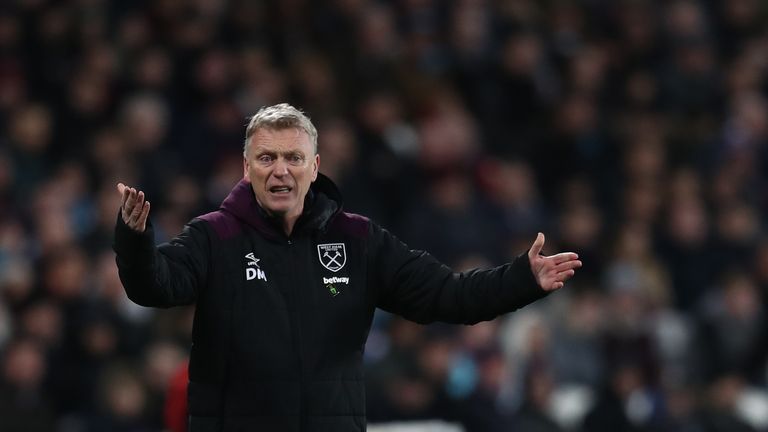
[{"x": 634, "y": 132}]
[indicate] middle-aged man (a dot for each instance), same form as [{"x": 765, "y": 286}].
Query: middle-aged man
[{"x": 286, "y": 283}]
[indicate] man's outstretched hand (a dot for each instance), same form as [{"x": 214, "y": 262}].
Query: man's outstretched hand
[
  {"x": 551, "y": 272},
  {"x": 134, "y": 208}
]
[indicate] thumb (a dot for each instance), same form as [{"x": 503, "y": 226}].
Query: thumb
[
  {"x": 538, "y": 244},
  {"x": 120, "y": 188}
]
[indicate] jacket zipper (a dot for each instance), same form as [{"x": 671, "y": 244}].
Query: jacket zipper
[{"x": 297, "y": 340}]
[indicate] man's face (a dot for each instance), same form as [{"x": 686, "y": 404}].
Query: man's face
[{"x": 281, "y": 165}]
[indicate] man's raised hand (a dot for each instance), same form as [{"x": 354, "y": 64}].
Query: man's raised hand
[
  {"x": 551, "y": 272},
  {"x": 134, "y": 209}
]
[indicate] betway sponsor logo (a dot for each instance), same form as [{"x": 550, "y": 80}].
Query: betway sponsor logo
[{"x": 336, "y": 280}]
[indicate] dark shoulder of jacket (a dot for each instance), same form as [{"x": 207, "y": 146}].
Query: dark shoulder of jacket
[
  {"x": 224, "y": 224},
  {"x": 351, "y": 224}
]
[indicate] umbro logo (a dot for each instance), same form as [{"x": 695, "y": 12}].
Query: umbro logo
[
  {"x": 252, "y": 260},
  {"x": 252, "y": 273}
]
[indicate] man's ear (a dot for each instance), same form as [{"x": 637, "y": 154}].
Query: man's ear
[
  {"x": 316, "y": 167},
  {"x": 245, "y": 169}
]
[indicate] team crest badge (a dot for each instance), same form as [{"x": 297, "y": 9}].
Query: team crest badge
[{"x": 332, "y": 256}]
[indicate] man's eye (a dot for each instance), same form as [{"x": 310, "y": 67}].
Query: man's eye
[
  {"x": 265, "y": 158},
  {"x": 295, "y": 158}
]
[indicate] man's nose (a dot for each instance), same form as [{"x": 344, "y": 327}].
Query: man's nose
[{"x": 281, "y": 168}]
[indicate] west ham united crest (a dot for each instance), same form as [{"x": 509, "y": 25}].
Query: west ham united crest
[{"x": 332, "y": 256}]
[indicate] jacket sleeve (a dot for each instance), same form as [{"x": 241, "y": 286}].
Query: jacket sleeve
[
  {"x": 415, "y": 285},
  {"x": 167, "y": 275}
]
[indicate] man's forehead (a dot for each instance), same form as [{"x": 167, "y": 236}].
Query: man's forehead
[{"x": 289, "y": 138}]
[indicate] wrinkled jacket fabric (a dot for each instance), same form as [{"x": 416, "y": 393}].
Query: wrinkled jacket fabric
[{"x": 281, "y": 322}]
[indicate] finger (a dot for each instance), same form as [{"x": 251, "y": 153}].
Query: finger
[
  {"x": 123, "y": 189},
  {"x": 126, "y": 210},
  {"x": 568, "y": 265},
  {"x": 143, "y": 216},
  {"x": 536, "y": 247},
  {"x": 563, "y": 257},
  {"x": 564, "y": 276},
  {"x": 130, "y": 201},
  {"x": 137, "y": 208},
  {"x": 553, "y": 285}
]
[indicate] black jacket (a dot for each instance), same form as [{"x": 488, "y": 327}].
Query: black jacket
[{"x": 281, "y": 322}]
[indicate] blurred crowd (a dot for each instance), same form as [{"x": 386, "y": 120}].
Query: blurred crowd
[{"x": 634, "y": 132}]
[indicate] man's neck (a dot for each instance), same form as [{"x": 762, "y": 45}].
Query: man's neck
[
  {"x": 288, "y": 223},
  {"x": 287, "y": 220}
]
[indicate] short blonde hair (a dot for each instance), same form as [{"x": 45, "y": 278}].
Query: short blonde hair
[{"x": 278, "y": 117}]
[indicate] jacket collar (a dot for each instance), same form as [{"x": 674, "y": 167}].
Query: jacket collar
[{"x": 322, "y": 203}]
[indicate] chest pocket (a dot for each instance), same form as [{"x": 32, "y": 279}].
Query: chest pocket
[
  {"x": 337, "y": 322},
  {"x": 340, "y": 280},
  {"x": 263, "y": 328}
]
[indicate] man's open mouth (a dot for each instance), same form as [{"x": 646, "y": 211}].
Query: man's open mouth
[{"x": 280, "y": 189}]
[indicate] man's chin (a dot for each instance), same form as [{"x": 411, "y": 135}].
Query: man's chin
[
  {"x": 281, "y": 207},
  {"x": 277, "y": 210}
]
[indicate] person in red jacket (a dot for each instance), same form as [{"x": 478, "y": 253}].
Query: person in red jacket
[{"x": 175, "y": 408}]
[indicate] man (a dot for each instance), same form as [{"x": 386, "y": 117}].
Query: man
[{"x": 285, "y": 285}]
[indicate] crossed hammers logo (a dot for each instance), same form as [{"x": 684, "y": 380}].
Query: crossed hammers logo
[
  {"x": 332, "y": 256},
  {"x": 332, "y": 259}
]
